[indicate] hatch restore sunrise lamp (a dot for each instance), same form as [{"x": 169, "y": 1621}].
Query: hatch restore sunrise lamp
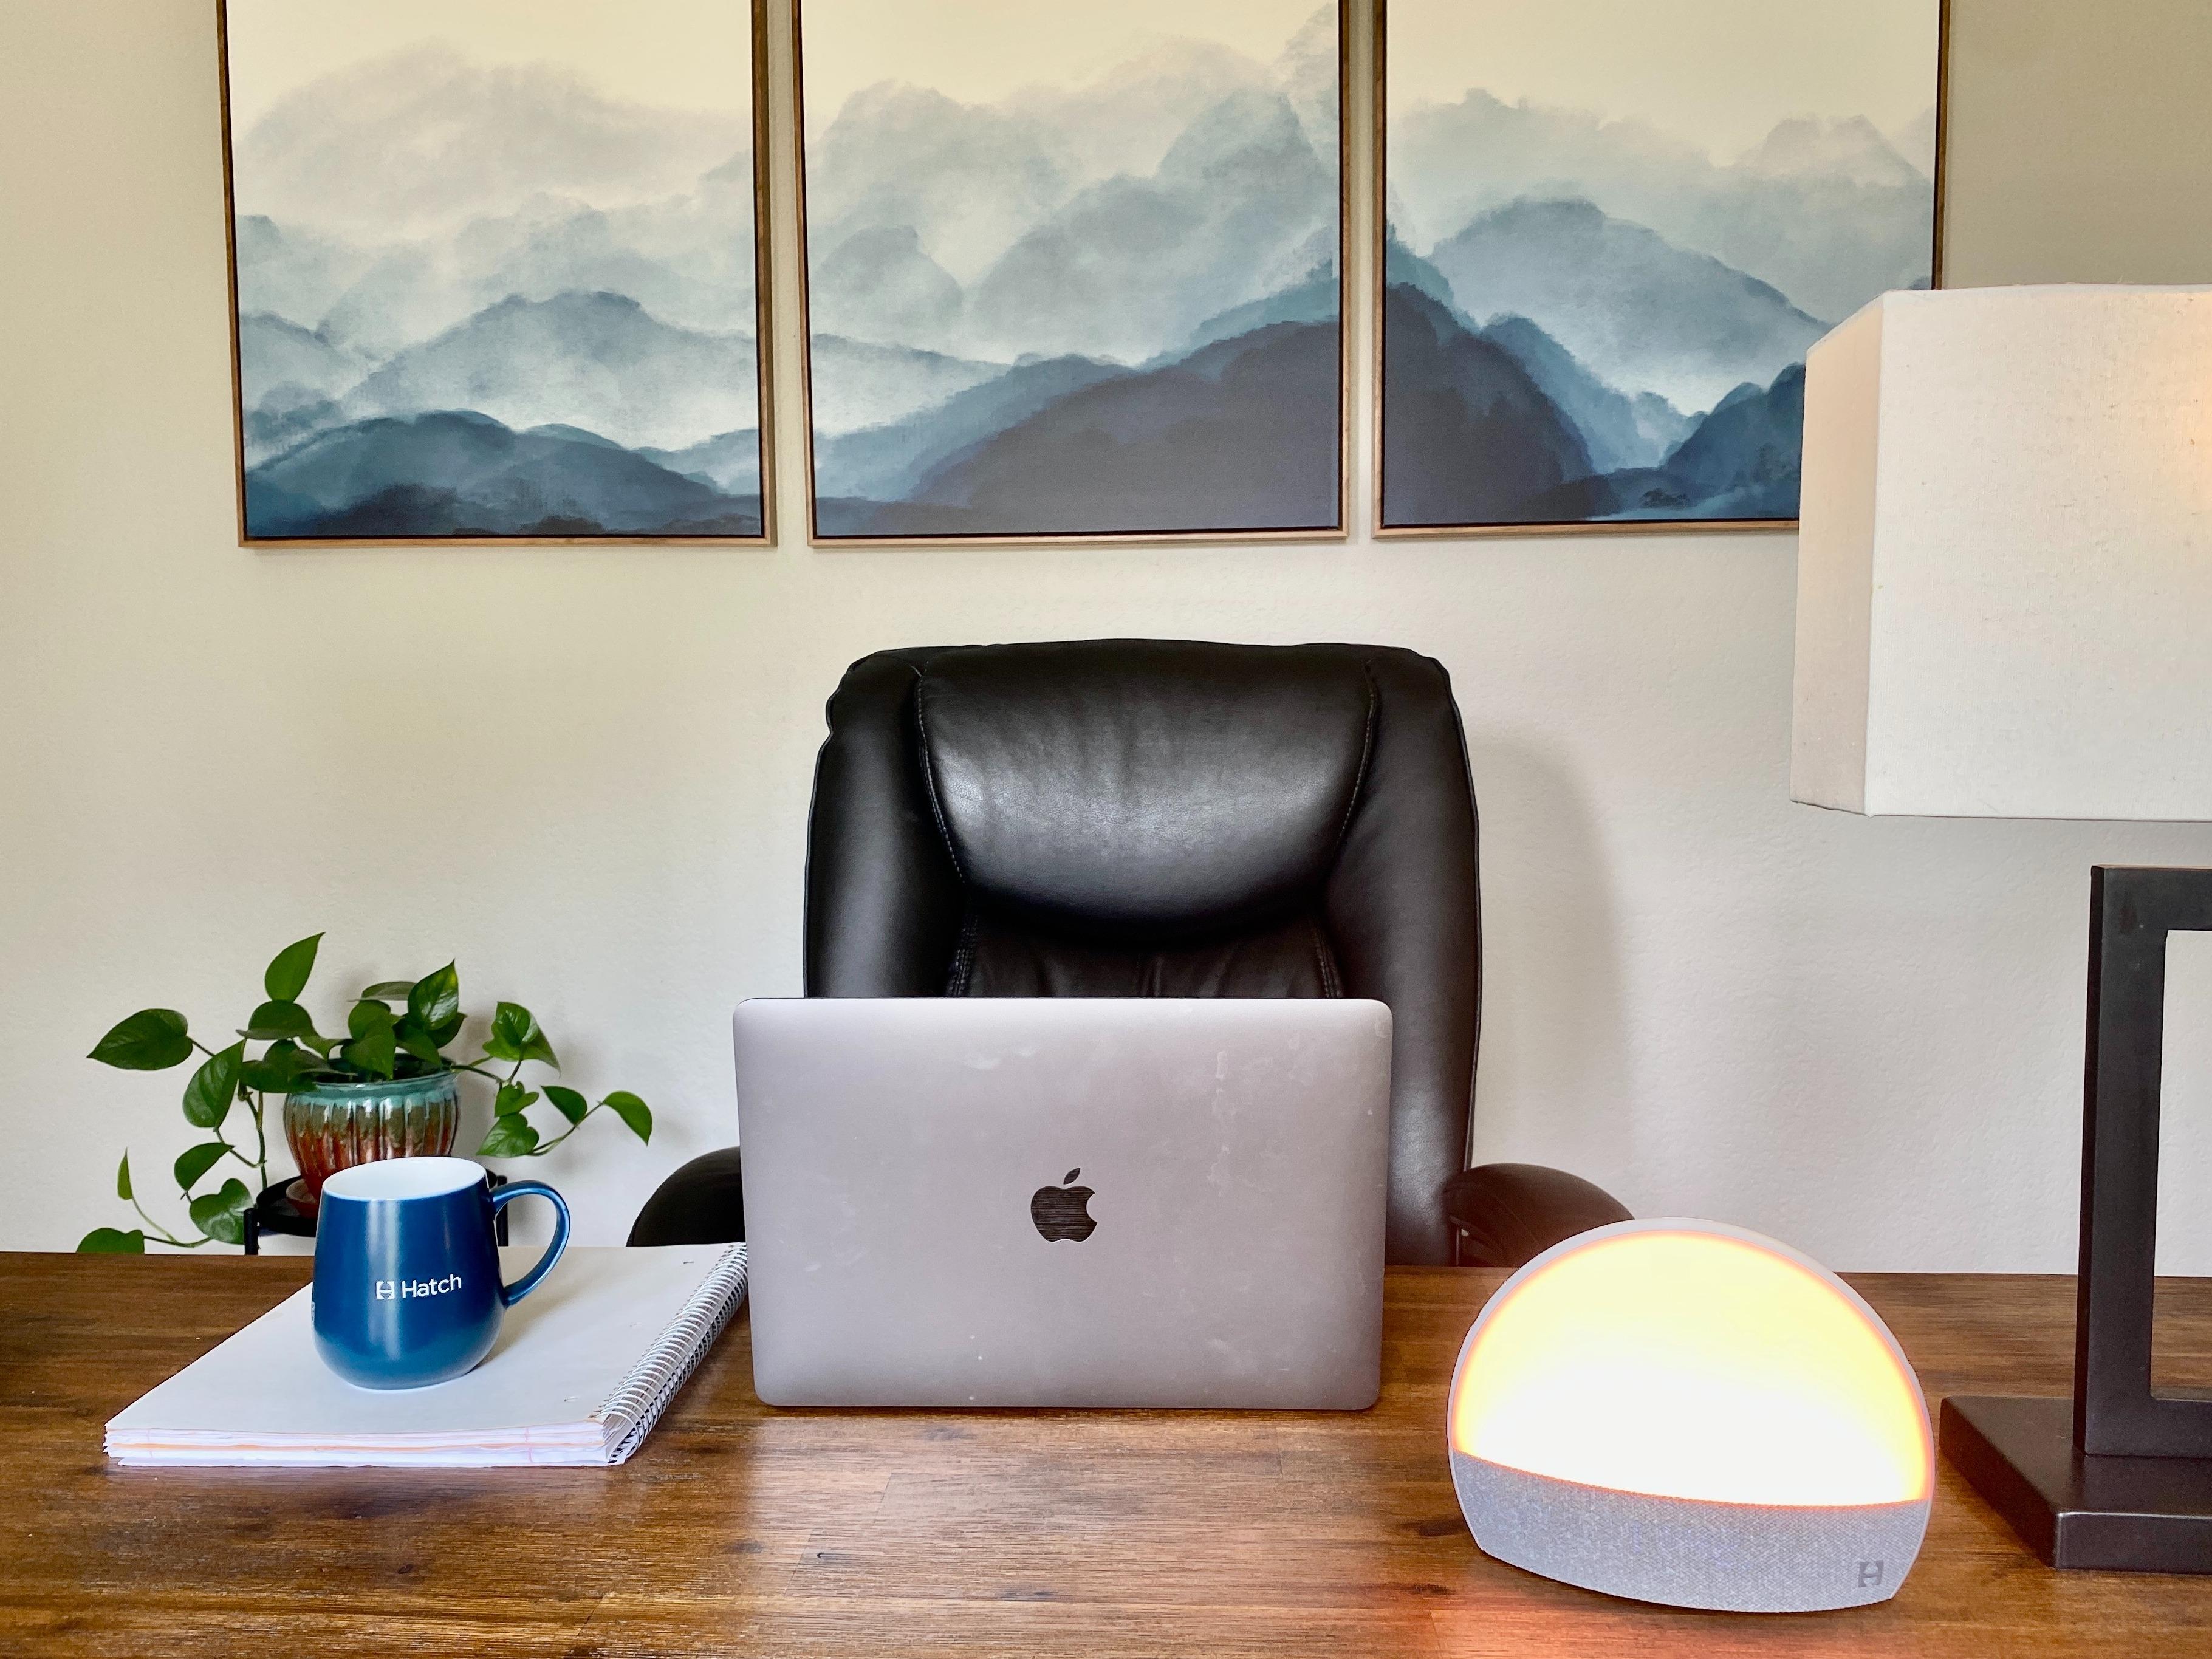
[{"x": 1685, "y": 1412}]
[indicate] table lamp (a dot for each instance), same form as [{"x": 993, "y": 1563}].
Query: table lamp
[{"x": 2004, "y": 609}]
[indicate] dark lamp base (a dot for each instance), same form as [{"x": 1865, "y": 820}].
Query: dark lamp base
[{"x": 2122, "y": 1514}]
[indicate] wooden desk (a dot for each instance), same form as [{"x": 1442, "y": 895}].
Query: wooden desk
[{"x": 742, "y": 1530}]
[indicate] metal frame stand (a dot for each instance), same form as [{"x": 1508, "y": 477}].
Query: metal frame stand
[
  {"x": 2120, "y": 1476},
  {"x": 274, "y": 1212}
]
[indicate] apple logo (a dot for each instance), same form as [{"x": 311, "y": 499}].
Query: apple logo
[{"x": 1063, "y": 1212}]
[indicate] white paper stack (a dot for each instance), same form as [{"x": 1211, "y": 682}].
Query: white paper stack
[{"x": 583, "y": 1369}]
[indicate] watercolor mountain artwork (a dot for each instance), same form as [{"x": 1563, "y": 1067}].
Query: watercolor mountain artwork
[
  {"x": 1071, "y": 275},
  {"x": 1613, "y": 227},
  {"x": 495, "y": 283}
]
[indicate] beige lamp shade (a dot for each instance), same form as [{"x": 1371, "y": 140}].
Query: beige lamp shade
[{"x": 2004, "y": 576}]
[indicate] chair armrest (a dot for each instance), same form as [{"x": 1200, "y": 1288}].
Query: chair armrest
[
  {"x": 703, "y": 1203},
  {"x": 1501, "y": 1215}
]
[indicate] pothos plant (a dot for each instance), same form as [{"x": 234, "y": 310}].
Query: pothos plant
[{"x": 394, "y": 1028}]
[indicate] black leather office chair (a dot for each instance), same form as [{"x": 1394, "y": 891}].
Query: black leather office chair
[{"x": 1151, "y": 818}]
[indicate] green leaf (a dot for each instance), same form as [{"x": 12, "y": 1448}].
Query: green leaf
[
  {"x": 279, "y": 1070},
  {"x": 151, "y": 1040},
  {"x": 513, "y": 1099},
  {"x": 214, "y": 1086},
  {"x": 570, "y": 1104},
  {"x": 123, "y": 1179},
  {"x": 513, "y": 1026},
  {"x": 288, "y": 971},
  {"x": 377, "y": 1054},
  {"x": 631, "y": 1110},
  {"x": 195, "y": 1161},
  {"x": 446, "y": 1030},
  {"x": 516, "y": 1035},
  {"x": 436, "y": 997},
  {"x": 511, "y": 1136},
  {"x": 366, "y": 1017},
  {"x": 274, "y": 1020},
  {"x": 108, "y": 1241},
  {"x": 386, "y": 990},
  {"x": 222, "y": 1214},
  {"x": 418, "y": 1040}
]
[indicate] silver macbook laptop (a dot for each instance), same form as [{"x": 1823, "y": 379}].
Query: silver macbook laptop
[{"x": 1068, "y": 1201}]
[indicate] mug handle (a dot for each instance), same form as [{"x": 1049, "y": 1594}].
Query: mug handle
[{"x": 500, "y": 1198}]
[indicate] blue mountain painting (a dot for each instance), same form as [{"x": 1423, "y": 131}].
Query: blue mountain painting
[
  {"x": 1132, "y": 285},
  {"x": 1586, "y": 321},
  {"x": 408, "y": 450},
  {"x": 461, "y": 474},
  {"x": 1502, "y": 425},
  {"x": 542, "y": 326}
]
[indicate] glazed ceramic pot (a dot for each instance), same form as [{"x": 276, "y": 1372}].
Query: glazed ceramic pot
[{"x": 333, "y": 1125}]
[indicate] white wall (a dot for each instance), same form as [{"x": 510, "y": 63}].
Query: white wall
[{"x": 584, "y": 774}]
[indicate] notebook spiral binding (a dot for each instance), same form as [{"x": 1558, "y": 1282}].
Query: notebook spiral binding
[{"x": 629, "y": 1412}]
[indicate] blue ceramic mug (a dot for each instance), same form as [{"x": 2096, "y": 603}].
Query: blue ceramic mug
[{"x": 407, "y": 1289}]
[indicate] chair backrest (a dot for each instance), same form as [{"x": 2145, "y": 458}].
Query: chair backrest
[{"x": 1154, "y": 817}]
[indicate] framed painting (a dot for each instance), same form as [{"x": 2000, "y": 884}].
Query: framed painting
[
  {"x": 494, "y": 270},
  {"x": 1072, "y": 273},
  {"x": 1611, "y": 228}
]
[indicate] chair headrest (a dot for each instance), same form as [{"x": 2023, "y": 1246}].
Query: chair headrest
[{"x": 1145, "y": 784}]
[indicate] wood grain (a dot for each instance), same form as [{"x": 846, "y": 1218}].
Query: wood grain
[{"x": 739, "y": 1529}]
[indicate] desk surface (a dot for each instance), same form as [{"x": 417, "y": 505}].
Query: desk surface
[{"x": 743, "y": 1530}]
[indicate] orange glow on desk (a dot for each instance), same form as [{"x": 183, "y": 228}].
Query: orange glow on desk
[{"x": 1669, "y": 1359}]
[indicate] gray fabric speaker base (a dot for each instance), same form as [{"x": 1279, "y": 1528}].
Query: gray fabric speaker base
[{"x": 1687, "y": 1552}]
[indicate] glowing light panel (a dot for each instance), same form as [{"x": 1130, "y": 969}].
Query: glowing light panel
[{"x": 1684, "y": 1359}]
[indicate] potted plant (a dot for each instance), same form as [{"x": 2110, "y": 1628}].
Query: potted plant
[{"x": 387, "y": 1088}]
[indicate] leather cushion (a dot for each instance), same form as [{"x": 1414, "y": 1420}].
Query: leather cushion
[
  {"x": 998, "y": 956},
  {"x": 1156, "y": 788}
]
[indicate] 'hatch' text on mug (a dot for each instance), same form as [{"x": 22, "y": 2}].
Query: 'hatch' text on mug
[
  {"x": 408, "y": 1292},
  {"x": 393, "y": 1290}
]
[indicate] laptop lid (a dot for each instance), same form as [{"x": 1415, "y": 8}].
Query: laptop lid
[{"x": 1065, "y": 1201}]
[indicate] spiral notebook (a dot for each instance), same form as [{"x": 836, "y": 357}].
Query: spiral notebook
[{"x": 583, "y": 1369}]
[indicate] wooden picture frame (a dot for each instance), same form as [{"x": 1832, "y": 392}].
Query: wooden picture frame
[
  {"x": 551, "y": 531},
  {"x": 1381, "y": 525},
  {"x": 811, "y": 389}
]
